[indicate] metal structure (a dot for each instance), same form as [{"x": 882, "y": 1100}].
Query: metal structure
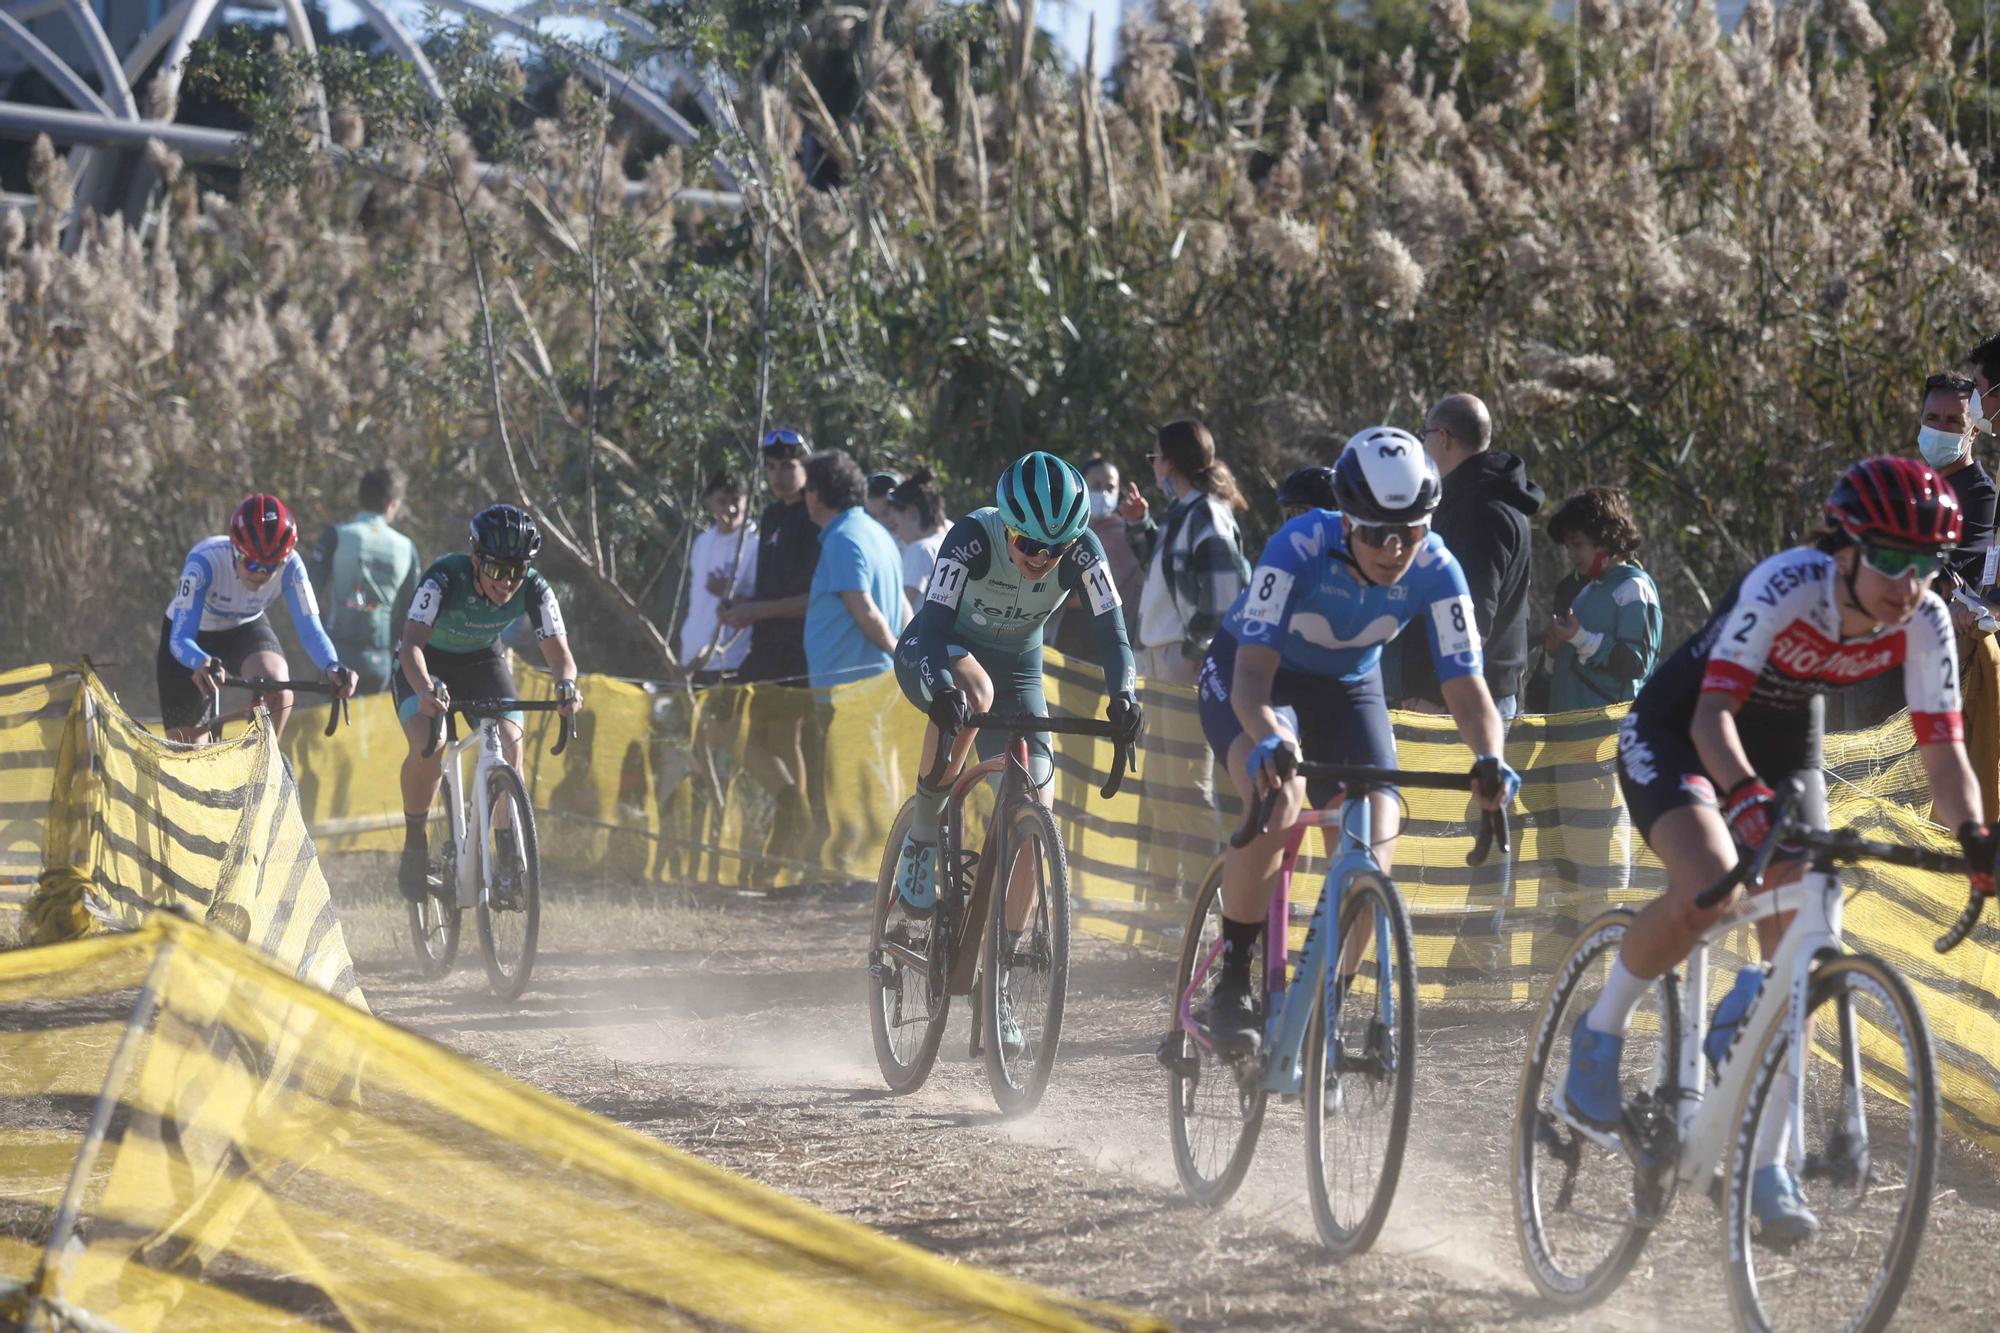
[{"x": 104, "y": 131}]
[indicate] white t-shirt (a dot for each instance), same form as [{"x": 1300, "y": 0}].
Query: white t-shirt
[
  {"x": 918, "y": 557},
  {"x": 713, "y": 550}
]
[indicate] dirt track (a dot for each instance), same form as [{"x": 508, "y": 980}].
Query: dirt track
[{"x": 735, "y": 1029}]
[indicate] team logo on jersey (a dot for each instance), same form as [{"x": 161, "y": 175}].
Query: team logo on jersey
[
  {"x": 1804, "y": 652},
  {"x": 1699, "y": 787},
  {"x": 1306, "y": 541},
  {"x": 1635, "y": 755}
]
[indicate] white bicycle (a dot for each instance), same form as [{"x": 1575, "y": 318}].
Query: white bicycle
[
  {"x": 472, "y": 868},
  {"x": 1863, "y": 1116}
]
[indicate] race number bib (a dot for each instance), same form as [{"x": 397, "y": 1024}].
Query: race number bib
[
  {"x": 947, "y": 583},
  {"x": 552, "y": 621},
  {"x": 1270, "y": 589},
  {"x": 1103, "y": 593},
  {"x": 1456, "y": 633},
  {"x": 424, "y": 609}
]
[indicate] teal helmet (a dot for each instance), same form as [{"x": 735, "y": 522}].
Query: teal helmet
[{"x": 1044, "y": 498}]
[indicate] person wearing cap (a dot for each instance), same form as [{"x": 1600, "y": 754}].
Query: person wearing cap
[
  {"x": 881, "y": 485},
  {"x": 787, "y": 555}
]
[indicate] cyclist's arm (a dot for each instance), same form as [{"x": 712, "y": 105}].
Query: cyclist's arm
[
  {"x": 555, "y": 652},
  {"x": 1471, "y": 706},
  {"x": 1955, "y": 797},
  {"x": 1087, "y": 576},
  {"x": 1717, "y": 741},
  {"x": 417, "y": 629},
  {"x": 964, "y": 558},
  {"x": 1742, "y": 645},
  {"x": 1250, "y": 691},
  {"x": 305, "y": 614},
  {"x": 188, "y": 604},
  {"x": 1930, "y": 688}
]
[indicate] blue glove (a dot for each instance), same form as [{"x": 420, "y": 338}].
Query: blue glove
[
  {"x": 1274, "y": 757},
  {"x": 1483, "y": 769}
]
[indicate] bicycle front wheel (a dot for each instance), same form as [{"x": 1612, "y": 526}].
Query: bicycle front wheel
[
  {"x": 1215, "y": 1103},
  {"x": 435, "y": 922},
  {"x": 510, "y": 899},
  {"x": 908, "y": 963},
  {"x": 1577, "y": 1206},
  {"x": 1027, "y": 970},
  {"x": 1869, "y": 1096},
  {"x": 1361, "y": 1067}
]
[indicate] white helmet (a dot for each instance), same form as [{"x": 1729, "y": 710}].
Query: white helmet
[{"x": 1384, "y": 476}]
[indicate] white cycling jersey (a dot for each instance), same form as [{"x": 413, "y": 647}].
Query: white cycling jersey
[{"x": 212, "y": 595}]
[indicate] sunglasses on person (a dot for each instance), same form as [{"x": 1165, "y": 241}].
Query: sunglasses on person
[
  {"x": 783, "y": 443},
  {"x": 504, "y": 571},
  {"x": 1891, "y": 563},
  {"x": 1379, "y": 535},
  {"x": 263, "y": 566},
  {"x": 1033, "y": 549}
]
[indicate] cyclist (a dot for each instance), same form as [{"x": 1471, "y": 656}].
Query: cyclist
[
  {"x": 1307, "y": 488},
  {"x": 464, "y": 603},
  {"x": 215, "y": 624},
  {"x": 1741, "y": 702},
  {"x": 1298, "y": 659},
  {"x": 976, "y": 645}
]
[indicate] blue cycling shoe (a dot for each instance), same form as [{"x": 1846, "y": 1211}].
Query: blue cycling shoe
[
  {"x": 1783, "y": 1220},
  {"x": 1730, "y": 1013},
  {"x": 1591, "y": 1090},
  {"x": 916, "y": 876}
]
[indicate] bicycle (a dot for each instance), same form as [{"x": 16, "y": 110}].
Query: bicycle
[
  {"x": 261, "y": 688},
  {"x": 467, "y": 872},
  {"x": 1355, "y": 1069},
  {"x": 915, "y": 965},
  {"x": 1862, "y": 1131}
]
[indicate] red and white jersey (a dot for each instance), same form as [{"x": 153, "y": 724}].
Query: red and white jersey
[{"x": 1775, "y": 643}]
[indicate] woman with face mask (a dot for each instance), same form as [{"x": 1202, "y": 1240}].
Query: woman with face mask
[{"x": 1944, "y": 439}]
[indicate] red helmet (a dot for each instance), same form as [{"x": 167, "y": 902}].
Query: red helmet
[
  {"x": 261, "y": 529},
  {"x": 1895, "y": 502}
]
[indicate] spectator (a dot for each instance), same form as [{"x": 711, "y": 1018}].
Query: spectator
[
  {"x": 364, "y": 574},
  {"x": 1604, "y": 637},
  {"x": 855, "y": 610},
  {"x": 1984, "y": 363},
  {"x": 1194, "y": 562},
  {"x": 1944, "y": 439},
  {"x": 853, "y": 619},
  {"x": 1484, "y": 523},
  {"x": 1307, "y": 488},
  {"x": 917, "y": 521},
  {"x": 1194, "y": 568},
  {"x": 722, "y": 567},
  {"x": 880, "y": 487},
  {"x": 787, "y": 553},
  {"x": 1071, "y": 634}
]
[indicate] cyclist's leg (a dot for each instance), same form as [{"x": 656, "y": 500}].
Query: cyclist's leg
[
  {"x": 1017, "y": 688},
  {"x": 1347, "y": 722},
  {"x": 252, "y": 650},
  {"x": 916, "y": 875},
  {"x": 181, "y": 700}
]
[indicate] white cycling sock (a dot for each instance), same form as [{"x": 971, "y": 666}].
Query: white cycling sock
[
  {"x": 1774, "y": 1131},
  {"x": 1612, "y": 1013}
]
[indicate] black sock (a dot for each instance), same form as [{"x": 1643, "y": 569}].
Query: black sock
[
  {"x": 1241, "y": 938},
  {"x": 413, "y": 831}
]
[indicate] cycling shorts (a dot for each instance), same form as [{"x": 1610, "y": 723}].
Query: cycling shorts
[
  {"x": 1659, "y": 768},
  {"x": 483, "y": 674},
  {"x": 181, "y": 700},
  {"x": 1017, "y": 688},
  {"x": 1335, "y": 721}
]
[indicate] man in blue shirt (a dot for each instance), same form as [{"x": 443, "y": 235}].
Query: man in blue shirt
[{"x": 855, "y": 611}]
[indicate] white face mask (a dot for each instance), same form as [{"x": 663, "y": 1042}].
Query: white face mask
[
  {"x": 1102, "y": 503},
  {"x": 1980, "y": 421},
  {"x": 1940, "y": 448}
]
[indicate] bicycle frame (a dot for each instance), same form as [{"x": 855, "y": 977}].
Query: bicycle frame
[
  {"x": 1287, "y": 1008},
  {"x": 1706, "y": 1119},
  {"x": 1012, "y": 769},
  {"x": 468, "y": 873}
]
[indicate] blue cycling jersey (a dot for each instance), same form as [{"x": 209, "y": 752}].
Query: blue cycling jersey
[{"x": 1308, "y": 601}]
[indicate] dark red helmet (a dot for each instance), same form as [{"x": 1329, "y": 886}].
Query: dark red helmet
[
  {"x": 1895, "y": 502},
  {"x": 261, "y": 529}
]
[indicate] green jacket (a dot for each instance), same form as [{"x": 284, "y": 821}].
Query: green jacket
[
  {"x": 1617, "y": 643},
  {"x": 365, "y": 575}
]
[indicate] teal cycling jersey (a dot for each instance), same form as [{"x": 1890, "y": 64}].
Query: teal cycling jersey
[
  {"x": 463, "y": 620},
  {"x": 979, "y": 598}
]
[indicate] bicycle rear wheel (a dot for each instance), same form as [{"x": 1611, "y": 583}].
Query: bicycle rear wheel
[
  {"x": 1215, "y": 1104},
  {"x": 1869, "y": 1092},
  {"x": 435, "y": 922},
  {"x": 1577, "y": 1210},
  {"x": 510, "y": 899},
  {"x": 1026, "y": 973},
  {"x": 1361, "y": 1068},
  {"x": 908, "y": 963}
]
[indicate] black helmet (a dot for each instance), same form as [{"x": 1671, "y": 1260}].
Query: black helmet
[
  {"x": 505, "y": 532},
  {"x": 1383, "y": 476},
  {"x": 1309, "y": 487}
]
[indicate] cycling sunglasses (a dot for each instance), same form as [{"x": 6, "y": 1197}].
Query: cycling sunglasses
[
  {"x": 504, "y": 571},
  {"x": 1891, "y": 563},
  {"x": 263, "y": 566},
  {"x": 1381, "y": 534},
  {"x": 1034, "y": 549},
  {"x": 784, "y": 443}
]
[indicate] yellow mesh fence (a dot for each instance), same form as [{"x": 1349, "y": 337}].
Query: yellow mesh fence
[
  {"x": 273, "y": 1156},
  {"x": 34, "y": 710}
]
